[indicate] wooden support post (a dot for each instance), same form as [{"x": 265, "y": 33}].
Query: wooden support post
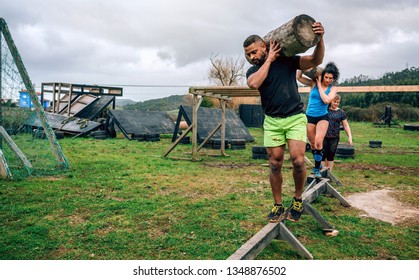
[
  {"x": 319, "y": 218},
  {"x": 54, "y": 96},
  {"x": 286, "y": 234},
  {"x": 315, "y": 191},
  {"x": 194, "y": 127},
  {"x": 70, "y": 94},
  {"x": 15, "y": 149},
  {"x": 177, "y": 141},
  {"x": 223, "y": 126},
  {"x": 337, "y": 195},
  {"x": 4, "y": 167},
  {"x": 309, "y": 184},
  {"x": 328, "y": 174},
  {"x": 209, "y": 136}
]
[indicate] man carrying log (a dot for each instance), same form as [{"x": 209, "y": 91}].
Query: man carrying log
[{"x": 274, "y": 75}]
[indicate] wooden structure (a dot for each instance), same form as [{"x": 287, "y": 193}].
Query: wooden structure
[
  {"x": 197, "y": 99},
  {"x": 314, "y": 188},
  {"x": 71, "y": 125},
  {"x": 69, "y": 99},
  {"x": 387, "y": 118},
  {"x": 225, "y": 94}
]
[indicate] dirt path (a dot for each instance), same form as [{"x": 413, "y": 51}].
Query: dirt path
[{"x": 380, "y": 205}]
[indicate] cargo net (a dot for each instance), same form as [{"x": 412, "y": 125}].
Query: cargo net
[{"x": 24, "y": 149}]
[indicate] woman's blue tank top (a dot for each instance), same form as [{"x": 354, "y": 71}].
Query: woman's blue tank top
[{"x": 316, "y": 107}]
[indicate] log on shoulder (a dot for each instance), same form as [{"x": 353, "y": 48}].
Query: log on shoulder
[{"x": 295, "y": 36}]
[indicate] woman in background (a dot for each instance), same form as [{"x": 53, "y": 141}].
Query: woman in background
[
  {"x": 330, "y": 143},
  {"x": 322, "y": 94}
]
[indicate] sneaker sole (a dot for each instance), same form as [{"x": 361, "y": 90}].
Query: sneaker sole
[
  {"x": 291, "y": 219},
  {"x": 277, "y": 220}
]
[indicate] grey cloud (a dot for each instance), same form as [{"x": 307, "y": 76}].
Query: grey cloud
[{"x": 120, "y": 40}]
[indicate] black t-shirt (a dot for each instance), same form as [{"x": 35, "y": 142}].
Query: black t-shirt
[
  {"x": 335, "y": 118},
  {"x": 279, "y": 91}
]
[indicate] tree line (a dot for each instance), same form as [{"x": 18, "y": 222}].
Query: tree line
[
  {"x": 408, "y": 76},
  {"x": 359, "y": 106},
  {"x": 370, "y": 106}
]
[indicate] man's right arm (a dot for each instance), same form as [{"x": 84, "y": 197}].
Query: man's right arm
[{"x": 255, "y": 80}]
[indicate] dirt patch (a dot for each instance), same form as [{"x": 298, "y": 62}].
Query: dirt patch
[
  {"x": 381, "y": 168},
  {"x": 229, "y": 166},
  {"x": 379, "y": 204}
]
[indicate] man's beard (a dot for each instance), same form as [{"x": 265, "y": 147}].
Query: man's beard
[{"x": 260, "y": 61}]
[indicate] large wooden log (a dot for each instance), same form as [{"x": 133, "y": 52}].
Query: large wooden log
[
  {"x": 295, "y": 36},
  {"x": 314, "y": 72}
]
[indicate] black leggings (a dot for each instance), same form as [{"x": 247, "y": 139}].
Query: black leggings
[{"x": 330, "y": 145}]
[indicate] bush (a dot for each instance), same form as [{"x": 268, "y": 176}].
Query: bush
[
  {"x": 365, "y": 100},
  {"x": 401, "y": 112}
]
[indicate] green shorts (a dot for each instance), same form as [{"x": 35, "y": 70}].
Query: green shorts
[{"x": 278, "y": 130}]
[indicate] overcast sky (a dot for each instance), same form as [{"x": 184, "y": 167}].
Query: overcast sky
[{"x": 162, "y": 42}]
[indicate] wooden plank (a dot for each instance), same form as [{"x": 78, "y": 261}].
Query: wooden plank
[
  {"x": 316, "y": 215},
  {"x": 273, "y": 230},
  {"x": 209, "y": 136},
  {"x": 15, "y": 148},
  {"x": 411, "y": 88},
  {"x": 177, "y": 141},
  {"x": 336, "y": 194},
  {"x": 257, "y": 243},
  {"x": 84, "y": 89},
  {"x": 314, "y": 192},
  {"x": 236, "y": 91},
  {"x": 309, "y": 184},
  {"x": 4, "y": 167},
  {"x": 286, "y": 234},
  {"x": 261, "y": 240},
  {"x": 328, "y": 174},
  {"x": 60, "y": 122},
  {"x": 196, "y": 103},
  {"x": 223, "y": 126}
]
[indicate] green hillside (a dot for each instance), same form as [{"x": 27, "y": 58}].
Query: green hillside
[{"x": 162, "y": 104}]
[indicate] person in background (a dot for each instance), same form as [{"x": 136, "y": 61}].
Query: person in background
[
  {"x": 330, "y": 143},
  {"x": 322, "y": 93},
  {"x": 274, "y": 76}
]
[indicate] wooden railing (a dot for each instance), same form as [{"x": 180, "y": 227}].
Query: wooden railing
[{"x": 235, "y": 91}]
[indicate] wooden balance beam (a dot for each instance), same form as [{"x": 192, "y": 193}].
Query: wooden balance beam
[{"x": 271, "y": 231}]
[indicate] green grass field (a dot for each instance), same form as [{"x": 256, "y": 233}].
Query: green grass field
[{"x": 121, "y": 200}]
